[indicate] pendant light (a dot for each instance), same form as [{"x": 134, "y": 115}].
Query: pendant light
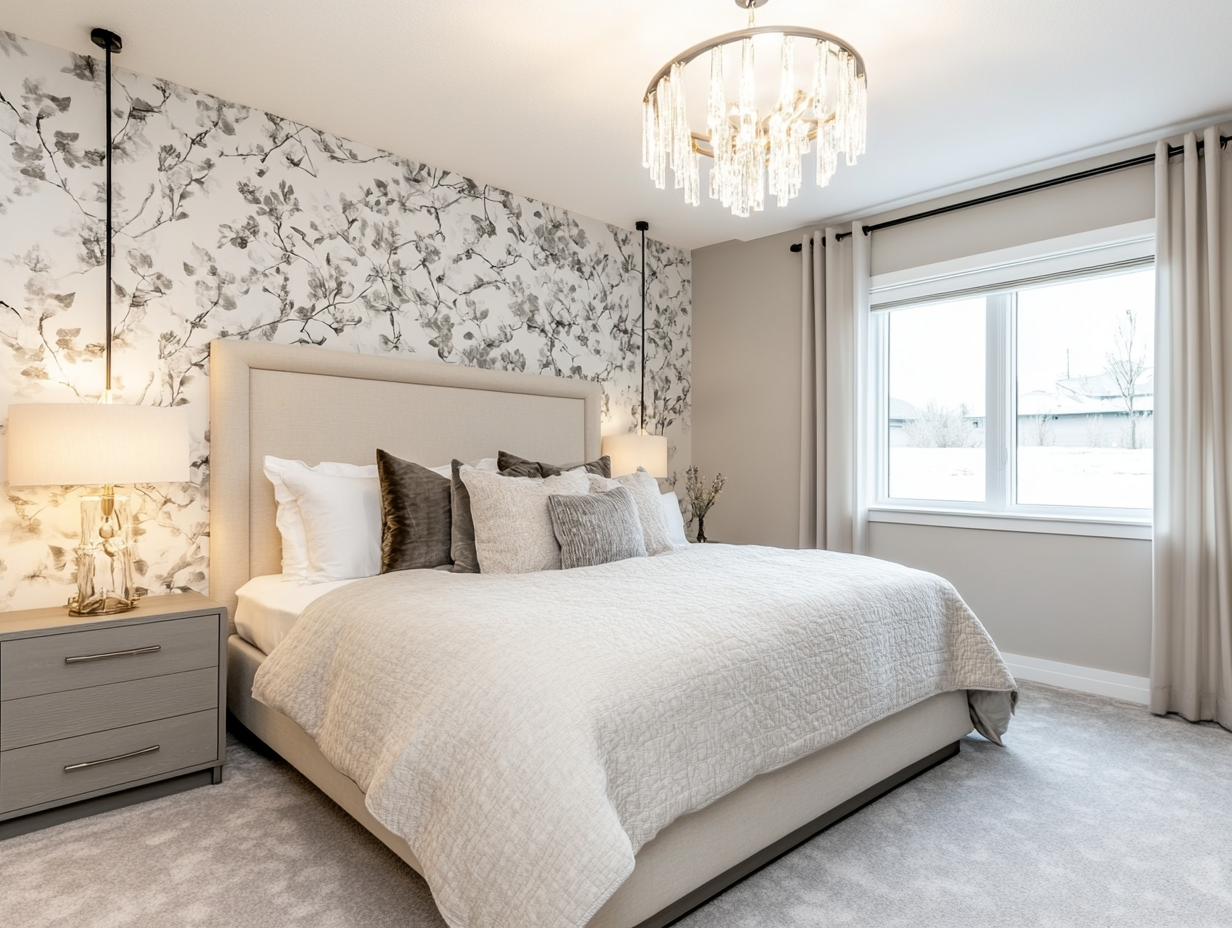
[
  {"x": 93, "y": 444},
  {"x": 633, "y": 450}
]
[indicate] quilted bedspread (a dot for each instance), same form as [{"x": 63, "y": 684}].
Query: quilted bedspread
[{"x": 527, "y": 734}]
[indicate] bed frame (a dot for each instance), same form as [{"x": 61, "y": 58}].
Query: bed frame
[{"x": 314, "y": 404}]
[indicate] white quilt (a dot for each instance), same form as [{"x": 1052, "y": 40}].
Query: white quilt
[{"x": 527, "y": 734}]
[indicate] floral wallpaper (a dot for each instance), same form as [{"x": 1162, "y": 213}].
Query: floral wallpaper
[{"x": 234, "y": 223}]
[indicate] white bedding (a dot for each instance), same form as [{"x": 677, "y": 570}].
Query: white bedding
[
  {"x": 527, "y": 734},
  {"x": 268, "y": 607}
]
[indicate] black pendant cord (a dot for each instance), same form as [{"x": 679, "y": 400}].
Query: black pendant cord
[
  {"x": 109, "y": 42},
  {"x": 642, "y": 226}
]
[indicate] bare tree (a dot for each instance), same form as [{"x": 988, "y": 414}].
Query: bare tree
[
  {"x": 940, "y": 427},
  {"x": 1096, "y": 437},
  {"x": 1126, "y": 363},
  {"x": 1041, "y": 430}
]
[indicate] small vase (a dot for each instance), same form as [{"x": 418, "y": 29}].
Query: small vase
[{"x": 701, "y": 530}]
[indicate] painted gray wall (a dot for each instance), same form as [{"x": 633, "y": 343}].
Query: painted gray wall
[
  {"x": 746, "y": 366},
  {"x": 1074, "y": 599},
  {"x": 1070, "y": 598}
]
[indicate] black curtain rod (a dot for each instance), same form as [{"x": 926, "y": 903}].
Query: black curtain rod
[{"x": 1018, "y": 191}]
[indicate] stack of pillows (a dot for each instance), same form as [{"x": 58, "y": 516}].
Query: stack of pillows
[{"x": 499, "y": 515}]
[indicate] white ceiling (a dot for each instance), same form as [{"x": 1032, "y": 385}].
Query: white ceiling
[{"x": 543, "y": 97}]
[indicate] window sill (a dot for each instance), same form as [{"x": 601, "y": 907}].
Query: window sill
[{"x": 1018, "y": 522}]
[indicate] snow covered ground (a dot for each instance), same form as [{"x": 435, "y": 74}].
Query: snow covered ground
[{"x": 1049, "y": 476}]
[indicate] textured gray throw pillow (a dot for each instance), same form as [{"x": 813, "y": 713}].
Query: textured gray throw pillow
[
  {"x": 416, "y": 515},
  {"x": 645, "y": 490},
  {"x": 596, "y": 528},
  {"x": 513, "y": 528}
]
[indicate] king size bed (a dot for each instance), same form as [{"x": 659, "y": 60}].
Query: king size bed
[{"x": 607, "y": 746}]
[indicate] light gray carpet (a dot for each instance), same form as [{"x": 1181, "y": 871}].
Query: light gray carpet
[{"x": 1096, "y": 814}]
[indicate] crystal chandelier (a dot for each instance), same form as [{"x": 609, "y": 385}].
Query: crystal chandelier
[{"x": 746, "y": 146}]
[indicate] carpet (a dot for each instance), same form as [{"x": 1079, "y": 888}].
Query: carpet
[{"x": 1096, "y": 813}]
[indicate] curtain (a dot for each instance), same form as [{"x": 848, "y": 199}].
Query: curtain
[
  {"x": 1191, "y": 658},
  {"x": 833, "y": 429}
]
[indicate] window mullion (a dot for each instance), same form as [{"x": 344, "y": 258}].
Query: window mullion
[
  {"x": 879, "y": 403},
  {"x": 998, "y": 425}
]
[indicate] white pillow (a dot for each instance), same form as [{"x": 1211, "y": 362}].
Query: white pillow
[
  {"x": 645, "y": 490},
  {"x": 487, "y": 465},
  {"x": 513, "y": 525},
  {"x": 342, "y": 523},
  {"x": 289, "y": 520},
  {"x": 675, "y": 520}
]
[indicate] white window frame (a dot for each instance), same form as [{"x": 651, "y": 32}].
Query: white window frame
[{"x": 997, "y": 276}]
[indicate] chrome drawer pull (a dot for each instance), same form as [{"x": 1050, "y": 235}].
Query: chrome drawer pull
[
  {"x": 108, "y": 760},
  {"x": 98, "y": 657}
]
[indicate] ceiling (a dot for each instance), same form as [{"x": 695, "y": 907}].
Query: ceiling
[{"x": 543, "y": 97}]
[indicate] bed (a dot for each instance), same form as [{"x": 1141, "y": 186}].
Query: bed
[{"x": 318, "y": 405}]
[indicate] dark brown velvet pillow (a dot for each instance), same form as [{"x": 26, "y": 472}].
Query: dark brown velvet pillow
[
  {"x": 462, "y": 546},
  {"x": 510, "y": 465},
  {"x": 416, "y": 515}
]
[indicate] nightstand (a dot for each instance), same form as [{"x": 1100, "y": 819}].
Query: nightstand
[{"x": 98, "y": 712}]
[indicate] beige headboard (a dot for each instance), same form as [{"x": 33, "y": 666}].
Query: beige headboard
[{"x": 314, "y": 405}]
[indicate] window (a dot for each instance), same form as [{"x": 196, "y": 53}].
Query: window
[
  {"x": 1033, "y": 398},
  {"x": 936, "y": 372},
  {"x": 1085, "y": 393}
]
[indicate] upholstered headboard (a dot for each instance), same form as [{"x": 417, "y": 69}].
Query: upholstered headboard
[{"x": 314, "y": 405}]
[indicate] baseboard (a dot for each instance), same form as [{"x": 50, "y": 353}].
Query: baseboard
[{"x": 1082, "y": 679}]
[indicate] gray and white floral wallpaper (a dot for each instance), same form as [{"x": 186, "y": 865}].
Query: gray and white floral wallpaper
[{"x": 236, "y": 223}]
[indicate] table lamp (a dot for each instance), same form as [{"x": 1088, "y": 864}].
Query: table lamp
[
  {"x": 636, "y": 449},
  {"x": 99, "y": 444}
]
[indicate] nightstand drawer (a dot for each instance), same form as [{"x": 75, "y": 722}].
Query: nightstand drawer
[
  {"x": 54, "y": 716},
  {"x": 55, "y": 663},
  {"x": 33, "y": 775}
]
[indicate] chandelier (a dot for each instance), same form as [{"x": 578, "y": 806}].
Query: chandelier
[{"x": 828, "y": 105}]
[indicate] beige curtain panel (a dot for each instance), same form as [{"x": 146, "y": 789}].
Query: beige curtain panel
[
  {"x": 833, "y": 346},
  {"x": 1191, "y": 661}
]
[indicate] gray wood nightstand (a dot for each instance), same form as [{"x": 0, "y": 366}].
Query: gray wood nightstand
[{"x": 98, "y": 712}]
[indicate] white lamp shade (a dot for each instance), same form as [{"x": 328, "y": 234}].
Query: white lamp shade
[
  {"x": 52, "y": 444},
  {"x": 631, "y": 451}
]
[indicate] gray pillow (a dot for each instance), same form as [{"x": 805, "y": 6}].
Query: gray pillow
[
  {"x": 462, "y": 536},
  {"x": 510, "y": 465},
  {"x": 513, "y": 527},
  {"x": 645, "y": 490},
  {"x": 596, "y": 528},
  {"x": 416, "y": 518}
]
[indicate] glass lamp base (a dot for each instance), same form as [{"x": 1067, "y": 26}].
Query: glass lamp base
[
  {"x": 105, "y": 558},
  {"x": 100, "y": 605}
]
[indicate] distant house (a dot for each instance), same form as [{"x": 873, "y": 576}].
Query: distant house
[
  {"x": 902, "y": 412},
  {"x": 1086, "y": 412},
  {"x": 1079, "y": 412}
]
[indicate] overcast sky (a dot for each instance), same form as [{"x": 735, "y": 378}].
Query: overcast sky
[{"x": 937, "y": 352}]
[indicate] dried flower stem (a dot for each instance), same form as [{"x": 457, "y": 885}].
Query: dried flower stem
[{"x": 701, "y": 497}]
